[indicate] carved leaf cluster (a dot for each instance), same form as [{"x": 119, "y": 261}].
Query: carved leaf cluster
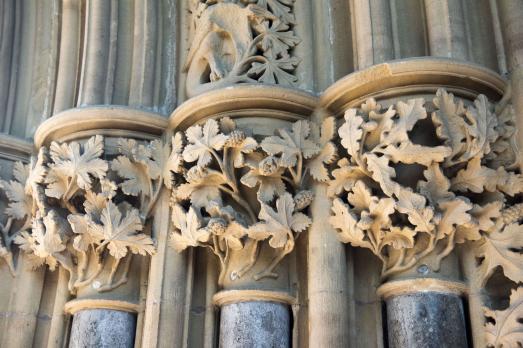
[
  {"x": 261, "y": 32},
  {"x": 20, "y": 209},
  {"x": 223, "y": 162},
  {"x": 82, "y": 218},
  {"x": 405, "y": 192}
]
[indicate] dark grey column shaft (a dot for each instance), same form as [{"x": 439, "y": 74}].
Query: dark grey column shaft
[
  {"x": 102, "y": 328},
  {"x": 426, "y": 319},
  {"x": 255, "y": 324}
]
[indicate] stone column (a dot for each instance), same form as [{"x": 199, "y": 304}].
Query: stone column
[
  {"x": 422, "y": 312},
  {"x": 102, "y": 328},
  {"x": 422, "y": 284},
  {"x": 254, "y": 319},
  {"x": 103, "y": 273},
  {"x": 254, "y": 283}
]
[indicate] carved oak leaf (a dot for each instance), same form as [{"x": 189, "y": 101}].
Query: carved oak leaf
[
  {"x": 86, "y": 236},
  {"x": 360, "y": 197},
  {"x": 78, "y": 166},
  {"x": 414, "y": 206},
  {"x": 280, "y": 223},
  {"x": 203, "y": 186},
  {"x": 291, "y": 144},
  {"x": 409, "y": 113},
  {"x": 351, "y": 132},
  {"x": 477, "y": 178},
  {"x": 500, "y": 248},
  {"x": 189, "y": 232},
  {"x": 377, "y": 216},
  {"x": 120, "y": 233},
  {"x": 449, "y": 122},
  {"x": 275, "y": 70},
  {"x": 455, "y": 213},
  {"x": 344, "y": 177},
  {"x": 483, "y": 219},
  {"x": 20, "y": 203},
  {"x": 398, "y": 238},
  {"x": 437, "y": 186},
  {"x": 346, "y": 224},
  {"x": 323, "y": 137},
  {"x": 480, "y": 128},
  {"x": 507, "y": 329},
  {"x": 202, "y": 141},
  {"x": 486, "y": 215},
  {"x": 410, "y": 153},
  {"x": 277, "y": 39},
  {"x": 384, "y": 123},
  {"x": 382, "y": 172},
  {"x": 509, "y": 182}
]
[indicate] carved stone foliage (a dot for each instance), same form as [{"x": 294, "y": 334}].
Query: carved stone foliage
[
  {"x": 90, "y": 213},
  {"x": 419, "y": 177},
  {"x": 20, "y": 209},
  {"x": 240, "y": 41},
  {"x": 221, "y": 165}
]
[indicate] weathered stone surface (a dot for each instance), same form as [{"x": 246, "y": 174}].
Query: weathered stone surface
[
  {"x": 102, "y": 328},
  {"x": 255, "y": 324},
  {"x": 426, "y": 319}
]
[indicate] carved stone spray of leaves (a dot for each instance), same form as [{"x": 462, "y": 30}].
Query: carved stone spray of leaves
[
  {"x": 229, "y": 163},
  {"x": 20, "y": 208},
  {"x": 506, "y": 331},
  {"x": 279, "y": 226},
  {"x": 147, "y": 168},
  {"x": 263, "y": 47},
  {"x": 436, "y": 213},
  {"x": 82, "y": 228},
  {"x": 73, "y": 167}
]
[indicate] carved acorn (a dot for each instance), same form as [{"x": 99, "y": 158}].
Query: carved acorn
[{"x": 303, "y": 199}]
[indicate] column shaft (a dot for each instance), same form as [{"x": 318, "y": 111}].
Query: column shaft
[
  {"x": 102, "y": 328},
  {"x": 426, "y": 319},
  {"x": 255, "y": 324}
]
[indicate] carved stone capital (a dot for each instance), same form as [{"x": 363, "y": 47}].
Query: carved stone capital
[
  {"x": 242, "y": 189},
  {"x": 422, "y": 175},
  {"x": 90, "y": 197}
]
